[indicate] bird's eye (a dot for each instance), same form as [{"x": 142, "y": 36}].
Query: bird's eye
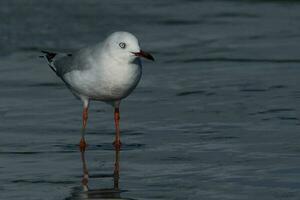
[{"x": 122, "y": 45}]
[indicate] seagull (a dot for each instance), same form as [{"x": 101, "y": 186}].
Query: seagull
[{"x": 108, "y": 71}]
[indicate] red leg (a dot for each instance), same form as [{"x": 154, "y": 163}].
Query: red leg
[
  {"x": 82, "y": 144},
  {"x": 84, "y": 117},
  {"x": 117, "y": 141}
]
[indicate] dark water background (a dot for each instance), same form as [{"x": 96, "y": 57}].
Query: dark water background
[{"x": 215, "y": 117}]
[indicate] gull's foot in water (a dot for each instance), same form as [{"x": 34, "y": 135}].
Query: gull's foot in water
[
  {"x": 82, "y": 145},
  {"x": 117, "y": 144}
]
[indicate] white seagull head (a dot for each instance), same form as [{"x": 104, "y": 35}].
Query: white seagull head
[{"x": 125, "y": 47}]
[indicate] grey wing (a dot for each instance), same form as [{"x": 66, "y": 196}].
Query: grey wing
[
  {"x": 58, "y": 62},
  {"x": 64, "y": 63},
  {"x": 80, "y": 61}
]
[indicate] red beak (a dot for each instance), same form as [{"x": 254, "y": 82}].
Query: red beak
[{"x": 144, "y": 54}]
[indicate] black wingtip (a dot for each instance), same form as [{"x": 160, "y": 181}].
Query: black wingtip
[{"x": 49, "y": 55}]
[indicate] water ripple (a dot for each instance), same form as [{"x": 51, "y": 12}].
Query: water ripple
[
  {"x": 175, "y": 22},
  {"x": 190, "y": 92},
  {"x": 39, "y": 181},
  {"x": 273, "y": 111},
  {"x": 109, "y": 146},
  {"x": 239, "y": 60}
]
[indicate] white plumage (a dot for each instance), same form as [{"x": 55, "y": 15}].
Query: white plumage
[{"x": 107, "y": 71}]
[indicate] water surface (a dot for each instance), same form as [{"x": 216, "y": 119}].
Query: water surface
[{"x": 215, "y": 117}]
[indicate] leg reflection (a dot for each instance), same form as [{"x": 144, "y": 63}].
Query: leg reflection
[
  {"x": 101, "y": 192},
  {"x": 85, "y": 178},
  {"x": 116, "y": 169}
]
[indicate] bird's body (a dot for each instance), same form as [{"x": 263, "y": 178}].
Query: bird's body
[
  {"x": 107, "y": 71},
  {"x": 93, "y": 77}
]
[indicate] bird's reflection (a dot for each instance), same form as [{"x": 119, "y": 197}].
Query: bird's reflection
[
  {"x": 99, "y": 193},
  {"x": 102, "y": 193}
]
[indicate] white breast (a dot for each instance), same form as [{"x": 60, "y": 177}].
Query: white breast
[{"x": 107, "y": 83}]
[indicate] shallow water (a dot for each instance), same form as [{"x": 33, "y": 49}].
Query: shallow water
[{"x": 215, "y": 117}]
